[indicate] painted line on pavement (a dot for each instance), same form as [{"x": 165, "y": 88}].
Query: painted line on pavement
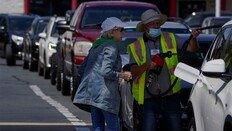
[{"x": 63, "y": 110}]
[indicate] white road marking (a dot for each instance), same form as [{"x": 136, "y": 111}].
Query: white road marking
[{"x": 63, "y": 110}]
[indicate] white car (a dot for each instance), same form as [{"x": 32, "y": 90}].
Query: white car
[
  {"x": 48, "y": 40},
  {"x": 210, "y": 102}
]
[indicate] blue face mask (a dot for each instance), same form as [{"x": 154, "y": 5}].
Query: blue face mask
[{"x": 154, "y": 32}]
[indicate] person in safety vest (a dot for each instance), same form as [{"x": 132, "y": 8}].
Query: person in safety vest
[
  {"x": 153, "y": 58},
  {"x": 100, "y": 74}
]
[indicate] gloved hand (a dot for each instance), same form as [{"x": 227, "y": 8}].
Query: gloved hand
[{"x": 158, "y": 60}]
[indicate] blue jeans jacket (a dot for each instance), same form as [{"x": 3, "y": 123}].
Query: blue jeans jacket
[{"x": 100, "y": 78}]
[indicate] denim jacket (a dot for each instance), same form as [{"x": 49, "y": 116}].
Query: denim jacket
[{"x": 100, "y": 78}]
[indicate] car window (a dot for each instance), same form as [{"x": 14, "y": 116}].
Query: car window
[
  {"x": 94, "y": 16},
  {"x": 228, "y": 55},
  {"x": 40, "y": 27},
  {"x": 220, "y": 44},
  {"x": 20, "y": 23}
]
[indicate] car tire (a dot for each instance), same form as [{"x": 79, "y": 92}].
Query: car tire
[
  {"x": 65, "y": 84},
  {"x": 58, "y": 77},
  {"x": 53, "y": 70},
  {"x": 192, "y": 125},
  {"x": 33, "y": 65},
  {"x": 74, "y": 82},
  {"x": 46, "y": 70},
  {"x": 25, "y": 64},
  {"x": 10, "y": 57},
  {"x": 40, "y": 69}
]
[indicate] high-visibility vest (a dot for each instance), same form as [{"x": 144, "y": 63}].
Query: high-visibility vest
[{"x": 138, "y": 51}]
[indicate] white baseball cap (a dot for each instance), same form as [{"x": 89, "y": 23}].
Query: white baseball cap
[{"x": 110, "y": 23}]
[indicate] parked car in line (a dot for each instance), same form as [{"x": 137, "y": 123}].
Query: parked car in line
[
  {"x": 210, "y": 105},
  {"x": 85, "y": 29},
  {"x": 12, "y": 29},
  {"x": 57, "y": 56},
  {"x": 211, "y": 21},
  {"x": 30, "y": 53},
  {"x": 195, "y": 19},
  {"x": 48, "y": 40}
]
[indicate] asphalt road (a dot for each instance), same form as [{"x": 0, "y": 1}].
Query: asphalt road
[{"x": 29, "y": 102}]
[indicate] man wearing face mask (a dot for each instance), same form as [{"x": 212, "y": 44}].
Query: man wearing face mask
[{"x": 153, "y": 58}]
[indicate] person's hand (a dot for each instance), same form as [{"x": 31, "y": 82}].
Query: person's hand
[
  {"x": 195, "y": 33},
  {"x": 126, "y": 75}
]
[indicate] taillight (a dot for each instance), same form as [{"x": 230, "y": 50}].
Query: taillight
[
  {"x": 81, "y": 50},
  {"x": 79, "y": 59}
]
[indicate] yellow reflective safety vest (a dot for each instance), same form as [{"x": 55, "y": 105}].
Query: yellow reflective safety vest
[{"x": 138, "y": 51}]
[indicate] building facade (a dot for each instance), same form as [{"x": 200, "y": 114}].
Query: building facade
[{"x": 176, "y": 8}]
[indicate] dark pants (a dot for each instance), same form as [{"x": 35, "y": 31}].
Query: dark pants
[
  {"x": 166, "y": 108},
  {"x": 99, "y": 117}
]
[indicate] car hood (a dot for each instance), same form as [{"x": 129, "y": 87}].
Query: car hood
[
  {"x": 18, "y": 33},
  {"x": 90, "y": 34}
]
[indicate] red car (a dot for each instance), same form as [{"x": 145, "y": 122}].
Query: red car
[{"x": 85, "y": 28}]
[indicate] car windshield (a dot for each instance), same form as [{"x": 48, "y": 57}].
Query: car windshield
[
  {"x": 219, "y": 22},
  {"x": 41, "y": 25},
  {"x": 56, "y": 32},
  {"x": 194, "y": 20},
  {"x": 20, "y": 23},
  {"x": 94, "y": 16}
]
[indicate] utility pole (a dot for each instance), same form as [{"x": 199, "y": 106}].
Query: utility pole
[{"x": 217, "y": 8}]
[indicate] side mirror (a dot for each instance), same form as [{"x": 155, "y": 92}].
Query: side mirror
[
  {"x": 186, "y": 73},
  {"x": 217, "y": 65},
  {"x": 215, "y": 68},
  {"x": 62, "y": 26},
  {"x": 42, "y": 35}
]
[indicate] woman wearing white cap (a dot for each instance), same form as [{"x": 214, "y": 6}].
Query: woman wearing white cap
[
  {"x": 154, "y": 86},
  {"x": 100, "y": 73}
]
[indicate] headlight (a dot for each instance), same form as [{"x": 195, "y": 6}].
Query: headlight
[
  {"x": 51, "y": 46},
  {"x": 37, "y": 43},
  {"x": 82, "y": 48},
  {"x": 17, "y": 39}
]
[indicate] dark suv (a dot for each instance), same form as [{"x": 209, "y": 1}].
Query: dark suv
[
  {"x": 85, "y": 29},
  {"x": 31, "y": 43},
  {"x": 12, "y": 29}
]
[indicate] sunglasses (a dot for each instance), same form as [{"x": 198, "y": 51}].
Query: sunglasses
[{"x": 120, "y": 29}]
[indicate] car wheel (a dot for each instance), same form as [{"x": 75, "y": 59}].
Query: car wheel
[
  {"x": 58, "y": 78},
  {"x": 74, "y": 82},
  {"x": 53, "y": 70},
  {"x": 10, "y": 57},
  {"x": 192, "y": 125},
  {"x": 46, "y": 71},
  {"x": 40, "y": 69},
  {"x": 33, "y": 65},
  {"x": 25, "y": 64},
  {"x": 65, "y": 84}
]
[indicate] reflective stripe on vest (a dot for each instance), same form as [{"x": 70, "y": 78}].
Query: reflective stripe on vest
[
  {"x": 168, "y": 43},
  {"x": 138, "y": 51}
]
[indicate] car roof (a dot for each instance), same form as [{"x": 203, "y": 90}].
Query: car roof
[
  {"x": 227, "y": 23},
  {"x": 171, "y": 24},
  {"x": 167, "y": 24},
  {"x": 120, "y": 3}
]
